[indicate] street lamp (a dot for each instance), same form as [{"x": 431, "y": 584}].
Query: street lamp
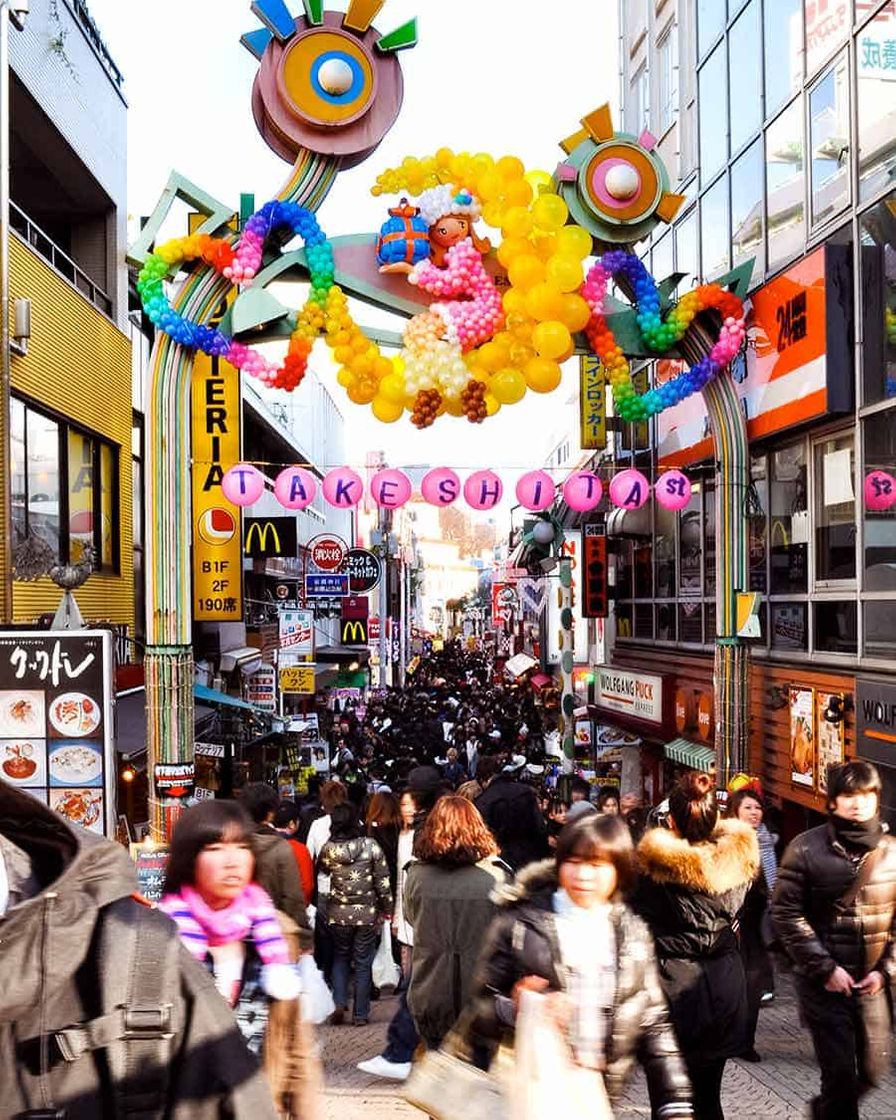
[{"x": 17, "y": 10}]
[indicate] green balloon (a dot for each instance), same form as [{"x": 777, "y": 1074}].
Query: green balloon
[
  {"x": 566, "y": 661},
  {"x": 565, "y": 574},
  {"x": 569, "y": 746},
  {"x": 566, "y": 618},
  {"x": 569, "y": 705}
]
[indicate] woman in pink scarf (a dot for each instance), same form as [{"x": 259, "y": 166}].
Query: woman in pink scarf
[{"x": 230, "y": 925}]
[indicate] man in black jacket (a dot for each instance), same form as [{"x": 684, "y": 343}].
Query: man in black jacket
[
  {"x": 510, "y": 809},
  {"x": 834, "y": 910}
]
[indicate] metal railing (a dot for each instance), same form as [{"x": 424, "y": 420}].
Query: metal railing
[{"x": 45, "y": 247}]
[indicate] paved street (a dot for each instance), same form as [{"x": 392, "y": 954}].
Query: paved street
[{"x": 776, "y": 1089}]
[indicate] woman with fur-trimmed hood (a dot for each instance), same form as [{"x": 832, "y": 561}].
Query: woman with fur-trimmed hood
[
  {"x": 563, "y": 929},
  {"x": 694, "y": 877}
]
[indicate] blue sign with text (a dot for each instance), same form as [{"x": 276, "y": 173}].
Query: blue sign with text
[{"x": 323, "y": 585}]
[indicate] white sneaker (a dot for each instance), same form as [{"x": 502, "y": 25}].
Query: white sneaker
[{"x": 381, "y": 1067}]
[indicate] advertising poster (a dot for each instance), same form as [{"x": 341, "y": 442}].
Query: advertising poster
[
  {"x": 56, "y": 734},
  {"x": 802, "y": 736},
  {"x": 297, "y": 631},
  {"x": 830, "y": 740},
  {"x": 261, "y": 688}
]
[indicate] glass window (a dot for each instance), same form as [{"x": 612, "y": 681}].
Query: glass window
[
  {"x": 880, "y": 527},
  {"x": 711, "y": 16},
  {"x": 686, "y": 254},
  {"x": 643, "y": 620},
  {"x": 665, "y": 622},
  {"x": 746, "y": 210},
  {"x": 709, "y": 540},
  {"x": 784, "y": 181},
  {"x": 835, "y": 514},
  {"x": 137, "y": 478},
  {"x": 880, "y": 629},
  {"x": 640, "y": 100},
  {"x": 714, "y": 230},
  {"x": 623, "y": 620},
  {"x": 827, "y": 25},
  {"x": 789, "y": 520},
  {"x": 878, "y": 257},
  {"x": 876, "y": 85},
  {"x": 19, "y": 476},
  {"x": 667, "y": 78},
  {"x": 829, "y": 142},
  {"x": 624, "y": 570},
  {"x": 665, "y": 552},
  {"x": 789, "y": 630},
  {"x": 642, "y": 563},
  {"x": 80, "y": 495},
  {"x": 709, "y": 620},
  {"x": 662, "y": 265},
  {"x": 713, "y": 109},
  {"x": 690, "y": 548},
  {"x": 43, "y": 478},
  {"x": 836, "y": 629},
  {"x": 690, "y": 622},
  {"x": 745, "y": 82},
  {"x": 107, "y": 506},
  {"x": 757, "y": 514},
  {"x": 783, "y": 34}
]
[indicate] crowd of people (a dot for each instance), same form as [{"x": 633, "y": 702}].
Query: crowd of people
[{"x": 435, "y": 850}]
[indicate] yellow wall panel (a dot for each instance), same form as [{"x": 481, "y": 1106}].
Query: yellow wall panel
[{"x": 79, "y": 365}]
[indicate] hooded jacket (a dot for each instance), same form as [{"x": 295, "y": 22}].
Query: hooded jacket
[
  {"x": 818, "y": 935},
  {"x": 50, "y": 981},
  {"x": 689, "y": 896},
  {"x": 359, "y": 882},
  {"x": 523, "y": 941}
]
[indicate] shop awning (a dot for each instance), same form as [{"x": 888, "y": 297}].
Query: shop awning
[
  {"x": 361, "y": 654},
  {"x": 247, "y": 659},
  {"x": 694, "y": 755},
  {"x": 213, "y": 696},
  {"x": 130, "y": 721},
  {"x": 518, "y": 664}
]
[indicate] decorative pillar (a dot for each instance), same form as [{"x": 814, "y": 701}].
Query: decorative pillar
[{"x": 567, "y": 697}]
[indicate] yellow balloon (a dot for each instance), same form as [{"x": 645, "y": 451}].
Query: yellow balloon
[
  {"x": 393, "y": 388},
  {"x": 574, "y": 312},
  {"x": 508, "y": 386},
  {"x": 492, "y": 404},
  {"x": 539, "y": 179},
  {"x": 546, "y": 245},
  {"x": 493, "y": 214},
  {"x": 491, "y": 357},
  {"x": 513, "y": 247},
  {"x": 385, "y": 410},
  {"x": 575, "y": 241},
  {"x": 489, "y": 186},
  {"x": 551, "y": 339},
  {"x": 526, "y": 271},
  {"x": 362, "y": 392},
  {"x": 345, "y": 378},
  {"x": 510, "y": 168},
  {"x": 544, "y": 301},
  {"x": 542, "y": 375},
  {"x": 517, "y": 221},
  {"x": 568, "y": 352},
  {"x": 453, "y": 406},
  {"x": 549, "y": 211},
  {"x": 518, "y": 193},
  {"x": 565, "y": 272},
  {"x": 514, "y": 302}
]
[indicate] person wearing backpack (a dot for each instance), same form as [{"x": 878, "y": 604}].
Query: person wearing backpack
[
  {"x": 103, "y": 1013},
  {"x": 834, "y": 911}
]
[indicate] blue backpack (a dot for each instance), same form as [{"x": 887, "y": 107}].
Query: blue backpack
[{"x": 403, "y": 237}]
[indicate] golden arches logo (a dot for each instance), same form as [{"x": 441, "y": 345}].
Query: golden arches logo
[{"x": 258, "y": 531}]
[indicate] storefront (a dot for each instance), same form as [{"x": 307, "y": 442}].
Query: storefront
[{"x": 875, "y": 735}]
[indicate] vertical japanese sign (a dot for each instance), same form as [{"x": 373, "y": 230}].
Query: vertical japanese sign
[
  {"x": 217, "y": 534},
  {"x": 56, "y": 733},
  {"x": 297, "y": 632},
  {"x": 592, "y": 404}
]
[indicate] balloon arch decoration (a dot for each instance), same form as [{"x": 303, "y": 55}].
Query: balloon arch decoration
[{"x": 487, "y": 323}]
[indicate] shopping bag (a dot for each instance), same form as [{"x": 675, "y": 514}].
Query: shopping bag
[
  {"x": 546, "y": 1082},
  {"x": 316, "y": 1001},
  {"x": 448, "y": 1088},
  {"x": 384, "y": 970}
]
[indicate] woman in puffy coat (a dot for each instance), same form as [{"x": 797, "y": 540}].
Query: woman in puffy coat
[
  {"x": 563, "y": 929},
  {"x": 694, "y": 878}
]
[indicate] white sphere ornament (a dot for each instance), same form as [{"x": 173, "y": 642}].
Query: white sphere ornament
[
  {"x": 622, "y": 181},
  {"x": 335, "y": 76},
  {"x": 543, "y": 532}
]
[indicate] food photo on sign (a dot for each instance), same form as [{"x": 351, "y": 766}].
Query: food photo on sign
[{"x": 802, "y": 736}]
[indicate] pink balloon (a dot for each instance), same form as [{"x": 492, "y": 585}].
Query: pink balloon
[
  {"x": 440, "y": 486},
  {"x": 880, "y": 491},
  {"x": 535, "y": 490},
  {"x": 673, "y": 489},
  {"x": 483, "y": 490},
  {"x": 295, "y": 488},
  {"x": 243, "y": 484},
  {"x": 582, "y": 491},
  {"x": 342, "y": 487},
  {"x": 629, "y": 489},
  {"x": 390, "y": 488}
]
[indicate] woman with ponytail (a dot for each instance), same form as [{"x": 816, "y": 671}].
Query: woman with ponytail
[{"x": 693, "y": 880}]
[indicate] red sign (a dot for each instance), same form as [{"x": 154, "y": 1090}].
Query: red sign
[
  {"x": 327, "y": 553},
  {"x": 595, "y": 594},
  {"x": 356, "y": 607},
  {"x": 373, "y": 629}
]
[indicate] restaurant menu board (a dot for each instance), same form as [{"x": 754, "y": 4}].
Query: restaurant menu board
[
  {"x": 56, "y": 735},
  {"x": 830, "y": 740},
  {"x": 152, "y": 864}
]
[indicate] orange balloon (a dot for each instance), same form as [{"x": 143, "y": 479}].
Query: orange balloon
[
  {"x": 574, "y": 312},
  {"x": 551, "y": 339},
  {"x": 542, "y": 375}
]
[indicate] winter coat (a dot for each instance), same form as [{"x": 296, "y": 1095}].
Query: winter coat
[
  {"x": 689, "y": 896},
  {"x": 523, "y": 941},
  {"x": 50, "y": 975},
  {"x": 359, "y": 882},
  {"x": 449, "y": 909},
  {"x": 277, "y": 872},
  {"x": 818, "y": 935},
  {"x": 510, "y": 809},
  {"x": 387, "y": 838}
]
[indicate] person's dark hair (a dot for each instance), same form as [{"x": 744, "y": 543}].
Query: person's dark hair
[
  {"x": 595, "y": 837},
  {"x": 454, "y": 834},
  {"x": 693, "y": 807},
  {"x": 332, "y": 793},
  {"x": 287, "y": 814},
  {"x": 739, "y": 797},
  {"x": 486, "y": 768},
  {"x": 609, "y": 793},
  {"x": 344, "y": 823},
  {"x": 260, "y": 799},
  {"x": 207, "y": 822},
  {"x": 580, "y": 785},
  {"x": 852, "y": 777}
]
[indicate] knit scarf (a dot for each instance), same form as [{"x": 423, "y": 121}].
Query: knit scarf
[
  {"x": 251, "y": 914},
  {"x": 767, "y": 856},
  {"x": 861, "y": 836}
]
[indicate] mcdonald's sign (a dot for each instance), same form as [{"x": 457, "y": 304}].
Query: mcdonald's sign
[
  {"x": 354, "y": 632},
  {"x": 269, "y": 536}
]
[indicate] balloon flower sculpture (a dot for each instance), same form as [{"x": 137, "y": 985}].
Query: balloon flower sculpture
[{"x": 477, "y": 347}]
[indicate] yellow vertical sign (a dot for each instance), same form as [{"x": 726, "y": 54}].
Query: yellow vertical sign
[
  {"x": 217, "y": 530},
  {"x": 592, "y": 404}
]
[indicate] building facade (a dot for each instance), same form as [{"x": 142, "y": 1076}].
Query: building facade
[
  {"x": 71, "y": 408},
  {"x": 777, "y": 118}
]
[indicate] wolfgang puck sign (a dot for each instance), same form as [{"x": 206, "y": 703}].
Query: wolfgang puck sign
[{"x": 876, "y": 721}]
